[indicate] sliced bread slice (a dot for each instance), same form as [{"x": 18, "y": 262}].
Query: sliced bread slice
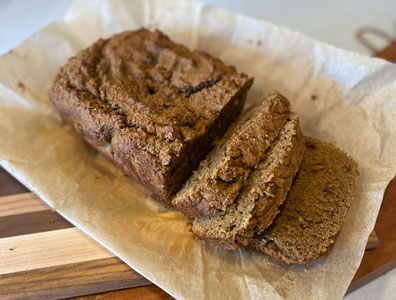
[
  {"x": 315, "y": 208},
  {"x": 217, "y": 182},
  {"x": 257, "y": 203}
]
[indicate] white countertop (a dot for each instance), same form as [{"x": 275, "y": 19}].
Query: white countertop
[{"x": 331, "y": 21}]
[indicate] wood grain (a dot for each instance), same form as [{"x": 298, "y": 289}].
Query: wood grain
[
  {"x": 20, "y": 204},
  {"x": 383, "y": 258},
  {"x": 26, "y": 213},
  {"x": 69, "y": 280},
  {"x": 9, "y": 185},
  {"x": 149, "y": 292},
  {"x": 33, "y": 222},
  {"x": 47, "y": 249}
]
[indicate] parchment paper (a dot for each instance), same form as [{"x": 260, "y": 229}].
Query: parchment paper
[{"x": 341, "y": 97}]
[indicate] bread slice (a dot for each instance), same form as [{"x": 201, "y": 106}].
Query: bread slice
[
  {"x": 257, "y": 203},
  {"x": 315, "y": 208},
  {"x": 220, "y": 177}
]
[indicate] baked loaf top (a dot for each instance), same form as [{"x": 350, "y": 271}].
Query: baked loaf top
[
  {"x": 315, "y": 208},
  {"x": 150, "y": 95},
  {"x": 258, "y": 201},
  {"x": 220, "y": 177}
]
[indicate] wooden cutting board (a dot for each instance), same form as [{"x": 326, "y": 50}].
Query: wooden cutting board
[
  {"x": 42, "y": 256},
  {"x": 383, "y": 258}
]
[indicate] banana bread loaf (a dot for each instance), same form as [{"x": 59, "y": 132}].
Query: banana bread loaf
[
  {"x": 258, "y": 201},
  {"x": 315, "y": 208},
  {"x": 220, "y": 177},
  {"x": 150, "y": 105}
]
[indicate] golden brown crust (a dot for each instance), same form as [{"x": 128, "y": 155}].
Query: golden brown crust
[{"x": 156, "y": 106}]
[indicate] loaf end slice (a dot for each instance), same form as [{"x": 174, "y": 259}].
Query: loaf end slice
[
  {"x": 258, "y": 202},
  {"x": 217, "y": 182},
  {"x": 315, "y": 208}
]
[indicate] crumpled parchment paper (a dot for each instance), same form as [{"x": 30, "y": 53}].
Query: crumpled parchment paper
[{"x": 341, "y": 97}]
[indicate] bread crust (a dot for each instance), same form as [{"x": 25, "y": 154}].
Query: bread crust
[{"x": 150, "y": 105}]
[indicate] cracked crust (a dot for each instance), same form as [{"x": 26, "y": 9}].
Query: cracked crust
[
  {"x": 220, "y": 177},
  {"x": 149, "y": 104},
  {"x": 315, "y": 208}
]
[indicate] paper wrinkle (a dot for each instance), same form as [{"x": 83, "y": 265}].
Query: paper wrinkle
[
  {"x": 13, "y": 99},
  {"x": 341, "y": 97}
]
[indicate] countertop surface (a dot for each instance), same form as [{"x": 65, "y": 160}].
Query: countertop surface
[{"x": 335, "y": 22}]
